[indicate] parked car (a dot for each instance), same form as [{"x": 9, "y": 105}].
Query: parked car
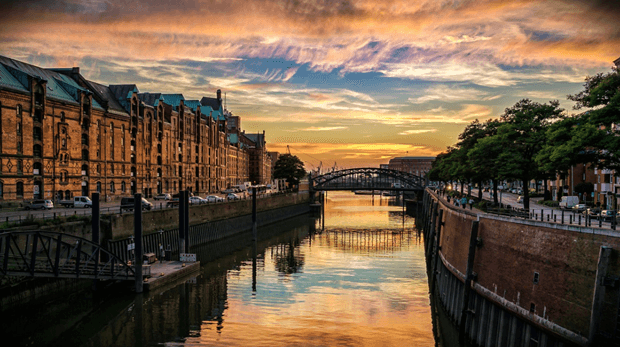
[
  {"x": 608, "y": 215},
  {"x": 127, "y": 204},
  {"x": 228, "y": 191},
  {"x": 579, "y": 207},
  {"x": 196, "y": 200},
  {"x": 592, "y": 212},
  {"x": 165, "y": 196},
  {"x": 40, "y": 205},
  {"x": 232, "y": 196},
  {"x": 214, "y": 198}
]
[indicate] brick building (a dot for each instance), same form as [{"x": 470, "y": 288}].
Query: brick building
[
  {"x": 64, "y": 136},
  {"x": 418, "y": 166}
]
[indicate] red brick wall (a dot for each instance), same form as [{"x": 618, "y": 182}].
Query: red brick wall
[{"x": 512, "y": 250}]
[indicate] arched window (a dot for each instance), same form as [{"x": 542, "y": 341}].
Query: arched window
[{"x": 20, "y": 189}]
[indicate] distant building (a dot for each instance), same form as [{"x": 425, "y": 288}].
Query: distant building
[
  {"x": 418, "y": 166},
  {"x": 617, "y": 62},
  {"x": 260, "y": 160}
]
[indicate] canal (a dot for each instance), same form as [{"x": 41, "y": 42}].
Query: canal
[{"x": 356, "y": 278}]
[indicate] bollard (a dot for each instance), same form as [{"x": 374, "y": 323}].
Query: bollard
[
  {"x": 570, "y": 219},
  {"x": 579, "y": 220},
  {"x": 562, "y": 216}
]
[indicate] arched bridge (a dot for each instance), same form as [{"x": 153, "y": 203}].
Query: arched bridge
[
  {"x": 51, "y": 254},
  {"x": 367, "y": 179}
]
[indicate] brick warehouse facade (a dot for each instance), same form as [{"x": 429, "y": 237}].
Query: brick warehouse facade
[{"x": 64, "y": 136}]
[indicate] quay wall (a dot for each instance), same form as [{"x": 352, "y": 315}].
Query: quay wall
[
  {"x": 121, "y": 226},
  {"x": 539, "y": 277}
]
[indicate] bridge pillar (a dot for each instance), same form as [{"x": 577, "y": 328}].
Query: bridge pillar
[{"x": 599, "y": 293}]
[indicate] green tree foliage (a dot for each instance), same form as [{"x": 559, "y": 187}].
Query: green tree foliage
[
  {"x": 289, "y": 167},
  {"x": 522, "y": 136},
  {"x": 594, "y": 133}
]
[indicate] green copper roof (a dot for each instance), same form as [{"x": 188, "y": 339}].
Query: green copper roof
[
  {"x": 193, "y": 104},
  {"x": 173, "y": 99},
  {"x": 233, "y": 138},
  {"x": 7, "y": 80}
]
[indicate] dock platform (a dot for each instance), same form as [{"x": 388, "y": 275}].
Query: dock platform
[{"x": 168, "y": 272}]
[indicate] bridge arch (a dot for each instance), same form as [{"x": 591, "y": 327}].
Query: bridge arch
[
  {"x": 51, "y": 254},
  {"x": 367, "y": 179}
]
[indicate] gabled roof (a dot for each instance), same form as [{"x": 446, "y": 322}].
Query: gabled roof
[
  {"x": 22, "y": 71},
  {"x": 106, "y": 94},
  {"x": 7, "y": 80},
  {"x": 193, "y": 104},
  {"x": 74, "y": 89},
  {"x": 150, "y": 98},
  {"x": 123, "y": 91},
  {"x": 213, "y": 102},
  {"x": 173, "y": 99},
  {"x": 258, "y": 139}
]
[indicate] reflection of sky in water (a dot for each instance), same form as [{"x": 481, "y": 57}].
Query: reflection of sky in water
[
  {"x": 362, "y": 283},
  {"x": 345, "y": 209}
]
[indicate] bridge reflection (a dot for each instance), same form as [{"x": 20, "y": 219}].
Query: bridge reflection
[{"x": 365, "y": 241}]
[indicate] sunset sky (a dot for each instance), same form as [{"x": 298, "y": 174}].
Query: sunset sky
[{"x": 348, "y": 82}]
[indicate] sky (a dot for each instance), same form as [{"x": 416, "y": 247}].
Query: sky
[{"x": 342, "y": 83}]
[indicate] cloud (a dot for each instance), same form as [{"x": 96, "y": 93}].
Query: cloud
[
  {"x": 323, "y": 128},
  {"x": 449, "y": 94},
  {"x": 417, "y": 131}
]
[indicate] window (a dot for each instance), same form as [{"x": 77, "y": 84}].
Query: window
[
  {"x": 63, "y": 143},
  {"x": 62, "y": 117},
  {"x": 37, "y": 151},
  {"x": 18, "y": 111},
  {"x": 20, "y": 189},
  {"x": 19, "y": 147},
  {"x": 112, "y": 190},
  {"x": 123, "y": 186},
  {"x": 98, "y": 169},
  {"x": 19, "y": 129},
  {"x": 1, "y": 190},
  {"x": 536, "y": 277},
  {"x": 112, "y": 168},
  {"x": 98, "y": 187},
  {"x": 20, "y": 165}
]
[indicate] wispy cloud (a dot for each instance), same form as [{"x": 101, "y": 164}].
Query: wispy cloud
[
  {"x": 322, "y": 128},
  {"x": 417, "y": 131}
]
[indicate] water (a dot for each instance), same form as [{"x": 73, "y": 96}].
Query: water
[{"x": 360, "y": 281}]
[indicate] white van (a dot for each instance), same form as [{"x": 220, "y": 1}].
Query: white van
[{"x": 569, "y": 201}]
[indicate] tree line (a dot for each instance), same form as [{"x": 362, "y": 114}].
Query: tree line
[{"x": 534, "y": 141}]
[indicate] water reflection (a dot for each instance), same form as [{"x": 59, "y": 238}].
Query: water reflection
[{"x": 361, "y": 281}]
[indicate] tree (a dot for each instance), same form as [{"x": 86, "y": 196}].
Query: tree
[
  {"x": 520, "y": 137},
  {"x": 289, "y": 167},
  {"x": 595, "y": 132}
]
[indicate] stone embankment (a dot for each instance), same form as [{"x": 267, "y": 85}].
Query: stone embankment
[{"x": 507, "y": 281}]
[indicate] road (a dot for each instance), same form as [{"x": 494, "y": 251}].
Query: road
[
  {"x": 546, "y": 213},
  {"x": 19, "y": 214}
]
